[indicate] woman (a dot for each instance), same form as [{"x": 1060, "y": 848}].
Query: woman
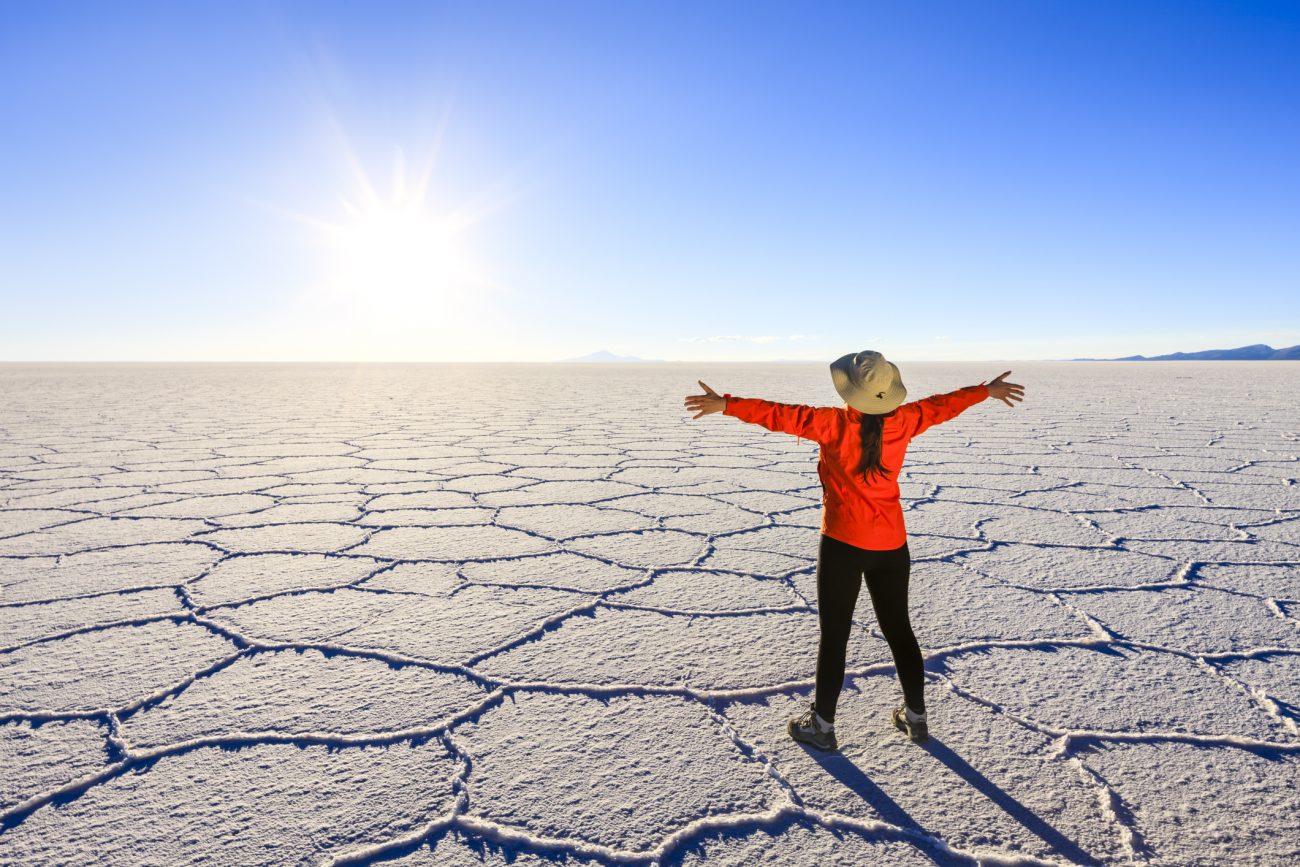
[{"x": 862, "y": 445}]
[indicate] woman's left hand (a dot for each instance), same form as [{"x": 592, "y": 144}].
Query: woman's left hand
[
  {"x": 709, "y": 402},
  {"x": 1006, "y": 391}
]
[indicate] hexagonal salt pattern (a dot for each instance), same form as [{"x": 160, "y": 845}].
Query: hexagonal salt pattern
[
  {"x": 706, "y": 590},
  {"x": 697, "y": 651},
  {"x": 1115, "y": 689},
  {"x": 981, "y": 783},
  {"x": 294, "y": 691},
  {"x": 464, "y": 615},
  {"x": 775, "y": 845},
  {"x": 636, "y": 746},
  {"x": 805, "y": 844},
  {"x": 20, "y": 624},
  {"x": 106, "y": 668},
  {"x": 134, "y": 567},
  {"x": 262, "y": 804},
  {"x": 41, "y": 757},
  {"x": 1206, "y": 807}
]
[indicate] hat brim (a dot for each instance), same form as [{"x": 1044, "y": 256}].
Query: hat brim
[{"x": 862, "y": 400}]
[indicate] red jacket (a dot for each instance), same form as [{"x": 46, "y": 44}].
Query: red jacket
[{"x": 865, "y": 513}]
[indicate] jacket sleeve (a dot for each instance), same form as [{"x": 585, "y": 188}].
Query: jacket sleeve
[
  {"x": 808, "y": 422},
  {"x": 939, "y": 408}
]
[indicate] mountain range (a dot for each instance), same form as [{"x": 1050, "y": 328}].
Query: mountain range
[
  {"x": 604, "y": 356},
  {"x": 1254, "y": 352}
]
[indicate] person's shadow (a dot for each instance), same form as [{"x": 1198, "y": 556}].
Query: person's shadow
[{"x": 842, "y": 768}]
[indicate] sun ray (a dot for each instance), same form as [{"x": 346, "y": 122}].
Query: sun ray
[
  {"x": 425, "y": 176},
  {"x": 396, "y": 255}
]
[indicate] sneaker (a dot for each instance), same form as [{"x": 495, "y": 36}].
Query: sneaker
[
  {"x": 811, "y": 729},
  {"x": 911, "y": 724}
]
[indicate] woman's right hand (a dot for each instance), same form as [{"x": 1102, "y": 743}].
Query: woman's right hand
[
  {"x": 1006, "y": 391},
  {"x": 709, "y": 402}
]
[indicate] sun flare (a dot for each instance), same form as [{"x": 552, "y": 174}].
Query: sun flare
[
  {"x": 393, "y": 251},
  {"x": 400, "y": 248}
]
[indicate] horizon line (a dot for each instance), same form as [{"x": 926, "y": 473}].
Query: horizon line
[{"x": 615, "y": 363}]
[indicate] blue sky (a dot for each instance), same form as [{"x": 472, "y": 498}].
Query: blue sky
[{"x": 747, "y": 181}]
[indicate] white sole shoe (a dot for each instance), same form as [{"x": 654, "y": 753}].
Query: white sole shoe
[
  {"x": 917, "y": 730},
  {"x": 805, "y": 730}
]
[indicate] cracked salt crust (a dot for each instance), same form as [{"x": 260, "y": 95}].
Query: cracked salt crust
[
  {"x": 1192, "y": 620},
  {"x": 756, "y": 562},
  {"x": 15, "y": 522},
  {"x": 970, "y": 607},
  {"x": 563, "y": 569},
  {"x": 1168, "y": 524},
  {"x": 293, "y": 691},
  {"x": 31, "y": 579},
  {"x": 257, "y": 576},
  {"x": 561, "y": 522},
  {"x": 204, "y": 506},
  {"x": 635, "y": 745},
  {"x": 271, "y": 615},
  {"x": 703, "y": 590},
  {"x": 699, "y": 651},
  {"x": 97, "y": 533},
  {"x": 19, "y": 626},
  {"x": 1282, "y": 582},
  {"x": 646, "y": 548},
  {"x": 1050, "y": 567},
  {"x": 986, "y": 784},
  {"x": 105, "y": 669},
  {"x": 1111, "y": 689},
  {"x": 293, "y": 513},
  {"x": 286, "y": 537},
  {"x": 444, "y": 628},
  {"x": 265, "y": 804},
  {"x": 450, "y": 543},
  {"x": 1274, "y": 676},
  {"x": 1205, "y": 808},
  {"x": 471, "y": 516},
  {"x": 37, "y": 758}
]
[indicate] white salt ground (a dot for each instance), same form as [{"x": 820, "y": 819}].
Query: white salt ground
[{"x": 455, "y": 615}]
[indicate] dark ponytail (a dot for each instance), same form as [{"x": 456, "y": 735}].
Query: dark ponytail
[{"x": 872, "y": 427}]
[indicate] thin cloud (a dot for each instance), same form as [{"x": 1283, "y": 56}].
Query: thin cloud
[{"x": 744, "y": 338}]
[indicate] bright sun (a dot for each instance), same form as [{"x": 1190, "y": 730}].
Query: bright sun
[
  {"x": 393, "y": 251},
  {"x": 398, "y": 249}
]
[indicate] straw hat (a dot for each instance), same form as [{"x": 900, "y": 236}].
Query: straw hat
[{"x": 868, "y": 382}]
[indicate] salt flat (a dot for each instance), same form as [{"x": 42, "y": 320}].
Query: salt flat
[{"x": 499, "y": 614}]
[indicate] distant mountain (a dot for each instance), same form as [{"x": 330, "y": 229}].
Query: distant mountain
[
  {"x": 1254, "y": 352},
  {"x": 604, "y": 356}
]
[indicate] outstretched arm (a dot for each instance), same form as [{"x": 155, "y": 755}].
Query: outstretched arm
[
  {"x": 802, "y": 421},
  {"x": 939, "y": 408}
]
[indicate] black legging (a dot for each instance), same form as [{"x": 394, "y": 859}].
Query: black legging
[{"x": 840, "y": 569}]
